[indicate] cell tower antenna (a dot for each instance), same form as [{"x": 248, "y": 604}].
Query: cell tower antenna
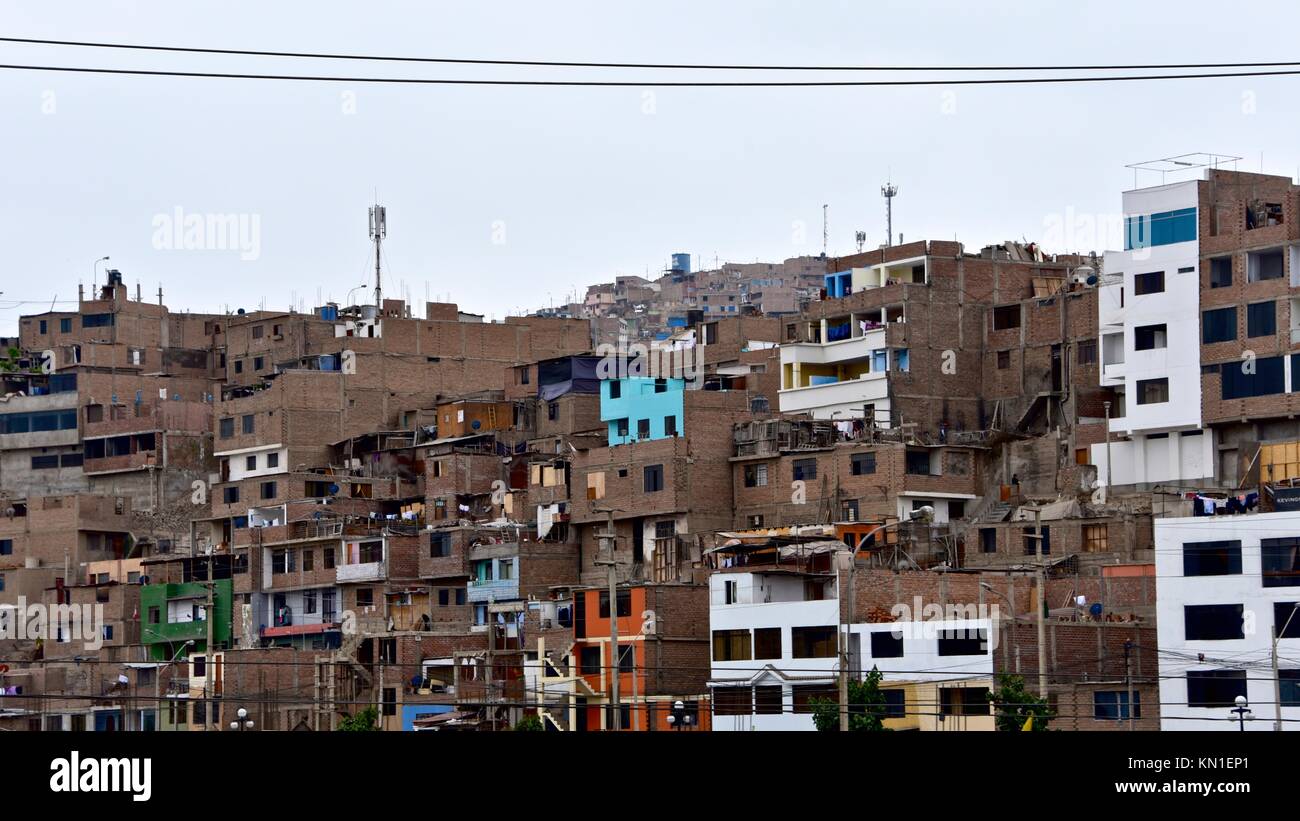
[
  {"x": 825, "y": 229},
  {"x": 861, "y": 238},
  {"x": 889, "y": 191},
  {"x": 378, "y": 230}
]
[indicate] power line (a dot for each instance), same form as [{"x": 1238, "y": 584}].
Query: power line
[
  {"x": 649, "y": 83},
  {"x": 581, "y": 64}
]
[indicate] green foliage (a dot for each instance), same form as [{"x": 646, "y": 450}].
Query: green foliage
[
  {"x": 866, "y": 707},
  {"x": 9, "y": 362},
  {"x": 1013, "y": 706},
  {"x": 364, "y": 721},
  {"x": 529, "y": 723}
]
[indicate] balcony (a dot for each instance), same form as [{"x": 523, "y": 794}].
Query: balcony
[
  {"x": 849, "y": 393},
  {"x": 363, "y": 572},
  {"x": 195, "y": 417},
  {"x": 119, "y": 464},
  {"x": 493, "y": 590},
  {"x": 293, "y": 532}
]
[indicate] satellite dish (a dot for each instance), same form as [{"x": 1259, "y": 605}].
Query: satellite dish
[
  {"x": 334, "y": 489},
  {"x": 475, "y": 424},
  {"x": 1095, "y": 609}
]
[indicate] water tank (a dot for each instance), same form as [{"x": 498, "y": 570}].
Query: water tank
[{"x": 681, "y": 263}]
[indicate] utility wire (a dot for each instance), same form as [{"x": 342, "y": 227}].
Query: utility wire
[
  {"x": 577, "y": 64},
  {"x": 651, "y": 83}
]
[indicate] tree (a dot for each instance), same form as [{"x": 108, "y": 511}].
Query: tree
[
  {"x": 867, "y": 708},
  {"x": 529, "y": 723},
  {"x": 364, "y": 721},
  {"x": 1013, "y": 705},
  {"x": 9, "y": 362}
]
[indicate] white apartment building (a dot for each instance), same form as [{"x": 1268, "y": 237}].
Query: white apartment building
[
  {"x": 1222, "y": 584},
  {"x": 1149, "y": 327},
  {"x": 775, "y": 638}
]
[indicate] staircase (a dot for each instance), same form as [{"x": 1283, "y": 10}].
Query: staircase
[{"x": 996, "y": 512}]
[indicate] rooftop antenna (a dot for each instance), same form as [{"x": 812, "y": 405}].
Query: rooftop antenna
[
  {"x": 889, "y": 191},
  {"x": 861, "y": 237},
  {"x": 825, "y": 228},
  {"x": 378, "y": 230}
]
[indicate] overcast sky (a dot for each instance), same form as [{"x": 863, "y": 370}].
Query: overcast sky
[{"x": 508, "y": 198}]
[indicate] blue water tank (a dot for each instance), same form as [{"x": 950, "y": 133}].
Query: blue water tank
[{"x": 681, "y": 263}]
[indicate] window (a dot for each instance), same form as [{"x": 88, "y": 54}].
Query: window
[
  {"x": 813, "y": 642},
  {"x": 1153, "y": 391},
  {"x": 624, "y": 604},
  {"x": 731, "y": 645},
  {"x": 1267, "y": 378},
  {"x": 988, "y": 540},
  {"x": 268, "y": 490},
  {"x": 96, "y": 320},
  {"x": 756, "y": 475},
  {"x": 44, "y": 328},
  {"x": 247, "y": 423},
  {"x": 767, "y": 642},
  {"x": 1281, "y": 562},
  {"x": 227, "y": 428},
  {"x": 1096, "y": 538},
  {"x": 956, "y": 508},
  {"x": 1005, "y": 317},
  {"x": 886, "y": 644},
  {"x": 258, "y": 331},
  {"x": 863, "y": 464},
  {"x": 239, "y": 366},
  {"x": 964, "y": 641},
  {"x": 1287, "y": 625},
  {"x": 849, "y": 510},
  {"x": 308, "y": 560},
  {"x": 1152, "y": 283},
  {"x": 1261, "y": 319},
  {"x": 1215, "y": 688},
  {"x": 653, "y": 478},
  {"x": 661, "y": 385},
  {"x": 6, "y": 547},
  {"x": 1263, "y": 265},
  {"x": 1212, "y": 559},
  {"x": 620, "y": 427},
  {"x": 230, "y": 495},
  {"x": 65, "y": 325},
  {"x": 805, "y": 470},
  {"x": 282, "y": 561},
  {"x": 1150, "y": 337},
  {"x": 1086, "y": 352},
  {"x": 1212, "y": 622},
  {"x": 272, "y": 460},
  {"x": 250, "y": 462},
  {"x": 595, "y": 486},
  {"x": 918, "y": 463},
  {"x": 439, "y": 545},
  {"x": 895, "y": 703},
  {"x": 1004, "y": 360},
  {"x": 806, "y": 694},
  {"x": 670, "y": 426},
  {"x": 769, "y": 700},
  {"x": 327, "y": 558},
  {"x": 365, "y": 597},
  {"x": 615, "y": 389},
  {"x": 964, "y": 701},
  {"x": 1031, "y": 541},
  {"x": 733, "y": 701},
  {"x": 1290, "y": 687},
  {"x": 1112, "y": 705},
  {"x": 308, "y": 597},
  {"x": 1220, "y": 272},
  {"x": 643, "y": 428},
  {"x": 553, "y": 411}
]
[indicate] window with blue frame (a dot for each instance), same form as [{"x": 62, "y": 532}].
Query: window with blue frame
[
  {"x": 902, "y": 362},
  {"x": 1160, "y": 228},
  {"x": 879, "y": 360}
]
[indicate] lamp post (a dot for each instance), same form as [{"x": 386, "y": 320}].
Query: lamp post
[
  {"x": 679, "y": 719},
  {"x": 925, "y": 513},
  {"x": 243, "y": 722},
  {"x": 1242, "y": 712}
]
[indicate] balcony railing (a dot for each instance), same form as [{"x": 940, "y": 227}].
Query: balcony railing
[
  {"x": 364, "y": 572},
  {"x": 495, "y": 589}
]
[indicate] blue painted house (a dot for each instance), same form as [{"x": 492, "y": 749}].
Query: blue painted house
[{"x": 638, "y": 409}]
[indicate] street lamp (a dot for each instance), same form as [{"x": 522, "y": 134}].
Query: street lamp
[
  {"x": 94, "y": 275},
  {"x": 925, "y": 513},
  {"x": 1242, "y": 712},
  {"x": 243, "y": 722},
  {"x": 679, "y": 719}
]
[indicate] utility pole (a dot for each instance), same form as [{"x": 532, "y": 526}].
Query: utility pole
[
  {"x": 1128, "y": 678},
  {"x": 210, "y": 618},
  {"x": 1041, "y": 573},
  {"x": 378, "y": 230},
  {"x": 609, "y": 538},
  {"x": 1277, "y": 680}
]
